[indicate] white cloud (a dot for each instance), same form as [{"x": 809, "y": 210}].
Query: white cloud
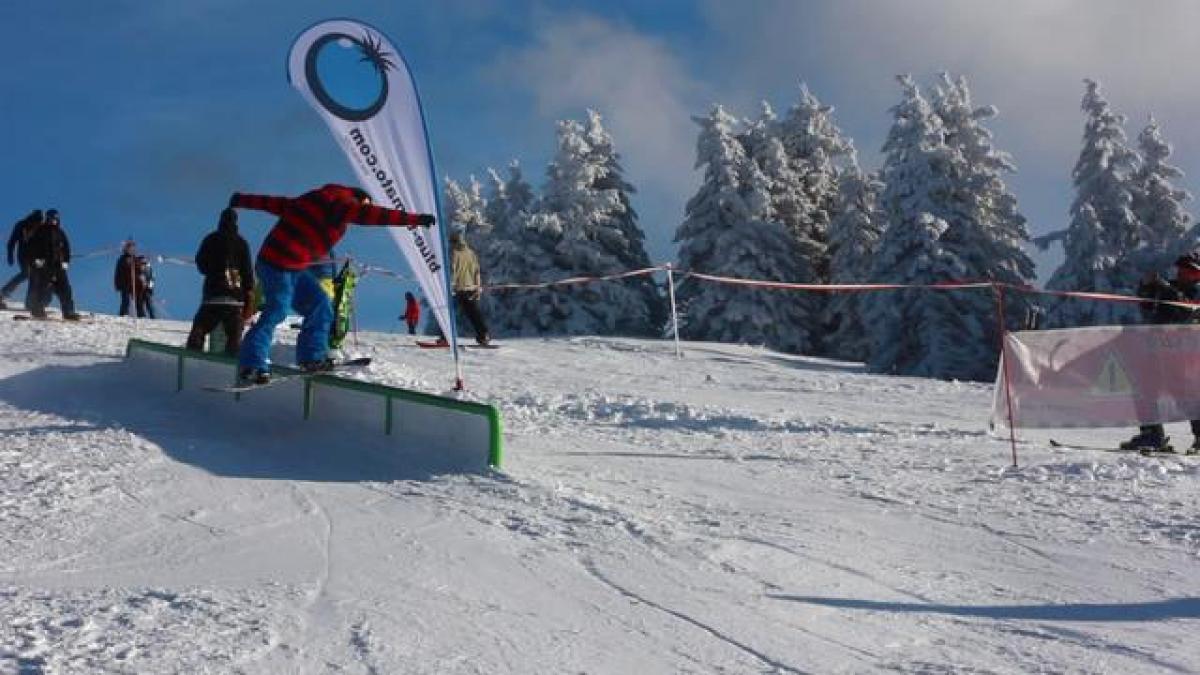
[
  {"x": 1027, "y": 57},
  {"x": 635, "y": 81}
]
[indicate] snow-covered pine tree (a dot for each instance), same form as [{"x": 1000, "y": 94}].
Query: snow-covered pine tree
[
  {"x": 520, "y": 251},
  {"x": 466, "y": 206},
  {"x": 986, "y": 230},
  {"x": 727, "y": 232},
  {"x": 629, "y": 248},
  {"x": 1166, "y": 227},
  {"x": 854, "y": 236},
  {"x": 1104, "y": 229},
  {"x": 583, "y": 210},
  {"x": 817, "y": 153},
  {"x": 791, "y": 206},
  {"x": 919, "y": 331}
]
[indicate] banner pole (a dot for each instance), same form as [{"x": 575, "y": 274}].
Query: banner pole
[
  {"x": 1001, "y": 330},
  {"x": 674, "y": 314}
]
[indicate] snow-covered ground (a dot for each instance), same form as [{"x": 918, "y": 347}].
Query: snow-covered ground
[{"x": 737, "y": 511}]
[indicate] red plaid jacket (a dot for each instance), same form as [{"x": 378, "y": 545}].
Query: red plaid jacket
[{"x": 312, "y": 223}]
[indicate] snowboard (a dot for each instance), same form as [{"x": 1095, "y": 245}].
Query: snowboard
[
  {"x": 1165, "y": 450},
  {"x": 339, "y": 366},
  {"x": 436, "y": 344}
]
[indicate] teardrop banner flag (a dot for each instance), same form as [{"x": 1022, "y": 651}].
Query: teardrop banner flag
[{"x": 360, "y": 84}]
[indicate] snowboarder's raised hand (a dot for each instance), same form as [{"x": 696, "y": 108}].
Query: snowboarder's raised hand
[{"x": 425, "y": 219}]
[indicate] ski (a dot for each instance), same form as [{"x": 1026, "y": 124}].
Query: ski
[
  {"x": 338, "y": 366},
  {"x": 1165, "y": 450},
  {"x": 30, "y": 317},
  {"x": 436, "y": 344}
]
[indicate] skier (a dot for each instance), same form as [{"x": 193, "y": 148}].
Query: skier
[
  {"x": 412, "y": 312},
  {"x": 308, "y": 227},
  {"x": 19, "y": 240},
  {"x": 1185, "y": 287},
  {"x": 224, "y": 260},
  {"x": 126, "y": 282},
  {"x": 50, "y": 255},
  {"x": 468, "y": 284}
]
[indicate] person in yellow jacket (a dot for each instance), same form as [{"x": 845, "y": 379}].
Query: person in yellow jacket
[{"x": 467, "y": 283}]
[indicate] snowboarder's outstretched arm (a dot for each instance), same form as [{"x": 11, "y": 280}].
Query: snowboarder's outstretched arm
[
  {"x": 369, "y": 214},
  {"x": 268, "y": 203}
]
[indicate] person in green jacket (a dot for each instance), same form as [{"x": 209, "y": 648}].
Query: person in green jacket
[{"x": 467, "y": 284}]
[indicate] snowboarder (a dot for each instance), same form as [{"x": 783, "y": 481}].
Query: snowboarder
[
  {"x": 467, "y": 283},
  {"x": 308, "y": 227},
  {"x": 412, "y": 312},
  {"x": 19, "y": 240},
  {"x": 224, "y": 260},
  {"x": 126, "y": 280},
  {"x": 1185, "y": 287},
  {"x": 50, "y": 255}
]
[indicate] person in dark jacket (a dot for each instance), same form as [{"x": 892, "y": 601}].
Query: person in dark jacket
[
  {"x": 1185, "y": 287},
  {"x": 412, "y": 312},
  {"x": 17, "y": 242},
  {"x": 224, "y": 260},
  {"x": 49, "y": 256},
  {"x": 145, "y": 285},
  {"x": 128, "y": 282},
  {"x": 308, "y": 227}
]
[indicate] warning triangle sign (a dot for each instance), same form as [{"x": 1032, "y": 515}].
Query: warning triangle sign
[{"x": 1112, "y": 381}]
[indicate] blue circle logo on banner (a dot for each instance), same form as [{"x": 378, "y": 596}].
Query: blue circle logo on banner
[{"x": 348, "y": 75}]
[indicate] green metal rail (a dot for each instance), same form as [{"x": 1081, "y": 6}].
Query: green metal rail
[{"x": 387, "y": 393}]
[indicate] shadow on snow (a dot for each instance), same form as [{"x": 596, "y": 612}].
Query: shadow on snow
[{"x": 202, "y": 429}]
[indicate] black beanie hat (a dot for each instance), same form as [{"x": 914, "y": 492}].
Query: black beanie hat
[{"x": 228, "y": 221}]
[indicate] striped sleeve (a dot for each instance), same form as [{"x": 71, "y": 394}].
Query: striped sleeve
[
  {"x": 267, "y": 203},
  {"x": 370, "y": 214}
]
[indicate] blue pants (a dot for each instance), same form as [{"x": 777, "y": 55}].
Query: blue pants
[{"x": 285, "y": 290}]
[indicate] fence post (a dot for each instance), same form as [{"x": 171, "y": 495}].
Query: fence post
[
  {"x": 1000, "y": 329},
  {"x": 674, "y": 313}
]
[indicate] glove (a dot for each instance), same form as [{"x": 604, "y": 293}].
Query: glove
[
  {"x": 64, "y": 266},
  {"x": 233, "y": 198},
  {"x": 39, "y": 263},
  {"x": 425, "y": 219}
]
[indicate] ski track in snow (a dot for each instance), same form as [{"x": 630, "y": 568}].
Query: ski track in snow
[{"x": 737, "y": 511}]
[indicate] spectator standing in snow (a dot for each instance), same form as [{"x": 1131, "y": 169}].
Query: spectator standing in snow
[
  {"x": 308, "y": 227},
  {"x": 145, "y": 286},
  {"x": 126, "y": 281},
  {"x": 50, "y": 255},
  {"x": 1185, "y": 287},
  {"x": 412, "y": 312},
  {"x": 467, "y": 282},
  {"x": 224, "y": 260},
  {"x": 18, "y": 241}
]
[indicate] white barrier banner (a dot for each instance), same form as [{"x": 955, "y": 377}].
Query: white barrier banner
[
  {"x": 360, "y": 84},
  {"x": 1105, "y": 376}
]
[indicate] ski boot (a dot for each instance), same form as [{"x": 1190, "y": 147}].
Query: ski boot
[
  {"x": 1146, "y": 442},
  {"x": 3, "y": 304},
  {"x": 250, "y": 375},
  {"x": 73, "y": 316},
  {"x": 322, "y": 366}
]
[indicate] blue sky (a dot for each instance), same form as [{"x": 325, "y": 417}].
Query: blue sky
[{"x": 141, "y": 119}]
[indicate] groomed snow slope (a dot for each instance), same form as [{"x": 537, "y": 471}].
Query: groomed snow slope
[{"x": 738, "y": 511}]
